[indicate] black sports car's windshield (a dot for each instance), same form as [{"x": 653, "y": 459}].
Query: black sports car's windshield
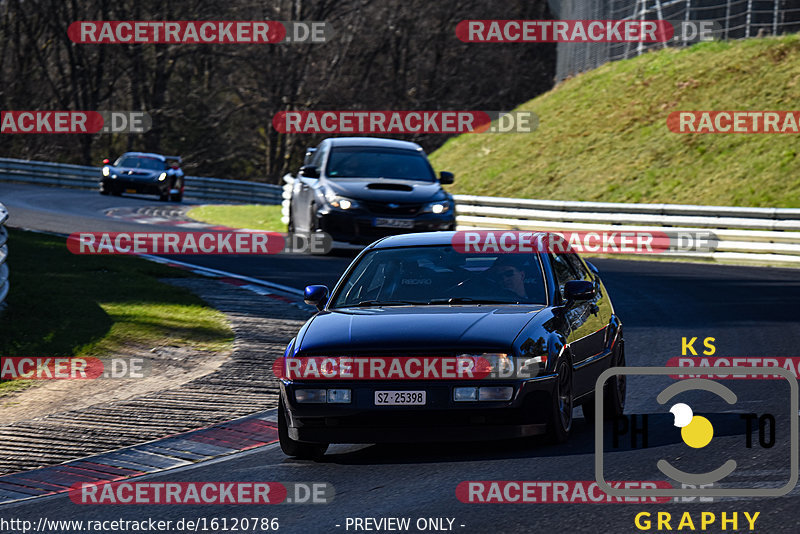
[
  {"x": 429, "y": 275},
  {"x": 140, "y": 162},
  {"x": 366, "y": 162}
]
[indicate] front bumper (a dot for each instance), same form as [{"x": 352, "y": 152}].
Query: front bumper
[
  {"x": 440, "y": 419},
  {"x": 358, "y": 227},
  {"x": 124, "y": 185}
]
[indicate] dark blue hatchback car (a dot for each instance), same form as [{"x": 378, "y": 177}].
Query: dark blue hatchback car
[{"x": 541, "y": 324}]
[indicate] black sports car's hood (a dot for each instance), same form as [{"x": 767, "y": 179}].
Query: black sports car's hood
[
  {"x": 387, "y": 190},
  {"x": 131, "y": 172},
  {"x": 416, "y": 329}
]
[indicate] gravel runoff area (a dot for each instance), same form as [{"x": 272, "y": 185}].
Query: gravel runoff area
[{"x": 127, "y": 412}]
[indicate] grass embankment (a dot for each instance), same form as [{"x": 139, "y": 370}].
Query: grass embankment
[
  {"x": 603, "y": 136},
  {"x": 253, "y": 217},
  {"x": 61, "y": 304}
]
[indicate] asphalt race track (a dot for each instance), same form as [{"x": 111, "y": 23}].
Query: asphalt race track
[{"x": 749, "y": 311}]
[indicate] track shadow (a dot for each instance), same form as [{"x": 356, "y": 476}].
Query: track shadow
[{"x": 661, "y": 432}]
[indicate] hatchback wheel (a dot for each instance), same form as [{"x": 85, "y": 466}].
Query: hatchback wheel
[
  {"x": 298, "y": 449},
  {"x": 560, "y": 420}
]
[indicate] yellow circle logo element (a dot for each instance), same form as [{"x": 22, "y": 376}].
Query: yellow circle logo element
[{"x": 698, "y": 433}]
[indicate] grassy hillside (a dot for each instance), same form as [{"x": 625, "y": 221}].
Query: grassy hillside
[{"x": 603, "y": 135}]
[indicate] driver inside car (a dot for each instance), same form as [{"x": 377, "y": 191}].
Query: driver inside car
[{"x": 509, "y": 272}]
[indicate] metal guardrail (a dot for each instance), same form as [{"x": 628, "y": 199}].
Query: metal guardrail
[
  {"x": 4, "y": 285},
  {"x": 760, "y": 235},
  {"x": 84, "y": 177},
  {"x": 746, "y": 235}
]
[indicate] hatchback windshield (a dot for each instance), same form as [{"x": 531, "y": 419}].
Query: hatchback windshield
[
  {"x": 433, "y": 275},
  {"x": 140, "y": 162},
  {"x": 365, "y": 162}
]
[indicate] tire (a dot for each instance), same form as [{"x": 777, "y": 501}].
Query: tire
[
  {"x": 290, "y": 224},
  {"x": 560, "y": 417},
  {"x": 104, "y": 190},
  {"x": 614, "y": 394},
  {"x": 313, "y": 222},
  {"x": 313, "y": 227},
  {"x": 298, "y": 449},
  {"x": 178, "y": 197}
]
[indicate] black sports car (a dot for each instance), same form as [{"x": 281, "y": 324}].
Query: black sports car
[
  {"x": 541, "y": 323},
  {"x": 358, "y": 189},
  {"x": 142, "y": 172}
]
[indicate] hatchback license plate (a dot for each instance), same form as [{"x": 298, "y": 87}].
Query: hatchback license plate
[
  {"x": 394, "y": 223},
  {"x": 399, "y": 398}
]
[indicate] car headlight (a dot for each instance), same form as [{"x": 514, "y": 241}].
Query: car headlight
[
  {"x": 498, "y": 365},
  {"x": 320, "y": 396},
  {"x": 483, "y": 393},
  {"x": 341, "y": 203},
  {"x": 438, "y": 207},
  {"x": 106, "y": 171},
  {"x": 162, "y": 177}
]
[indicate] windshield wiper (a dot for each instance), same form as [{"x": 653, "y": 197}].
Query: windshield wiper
[
  {"x": 470, "y": 300},
  {"x": 365, "y": 303}
]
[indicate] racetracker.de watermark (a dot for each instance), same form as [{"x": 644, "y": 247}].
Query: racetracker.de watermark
[
  {"x": 596, "y": 242},
  {"x": 552, "y": 491},
  {"x": 74, "y": 122},
  {"x": 461, "y": 367},
  {"x": 69, "y": 368},
  {"x": 204, "y": 493},
  {"x": 586, "y": 31},
  {"x": 212, "y": 243},
  {"x": 198, "y": 32},
  {"x": 741, "y": 122},
  {"x": 789, "y": 363},
  {"x": 405, "y": 122}
]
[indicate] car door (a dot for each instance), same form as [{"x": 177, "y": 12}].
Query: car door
[
  {"x": 303, "y": 190},
  {"x": 586, "y": 322}
]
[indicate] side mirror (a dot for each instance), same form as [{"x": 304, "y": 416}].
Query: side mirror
[
  {"x": 309, "y": 171},
  {"x": 316, "y": 296},
  {"x": 579, "y": 290},
  {"x": 446, "y": 177},
  {"x": 592, "y": 268},
  {"x": 106, "y": 161}
]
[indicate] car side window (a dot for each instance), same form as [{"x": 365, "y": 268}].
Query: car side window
[
  {"x": 316, "y": 157},
  {"x": 564, "y": 270},
  {"x": 578, "y": 267},
  {"x": 320, "y": 155}
]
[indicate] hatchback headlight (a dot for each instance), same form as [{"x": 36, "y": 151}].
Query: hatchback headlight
[
  {"x": 341, "y": 203},
  {"x": 106, "y": 171},
  {"x": 162, "y": 177},
  {"x": 499, "y": 365},
  {"x": 320, "y": 396},
  {"x": 438, "y": 207},
  {"x": 483, "y": 393}
]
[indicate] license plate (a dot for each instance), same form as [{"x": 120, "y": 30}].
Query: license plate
[
  {"x": 130, "y": 190},
  {"x": 394, "y": 223},
  {"x": 399, "y": 398}
]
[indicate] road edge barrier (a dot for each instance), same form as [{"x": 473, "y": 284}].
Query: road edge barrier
[
  {"x": 745, "y": 234},
  {"x": 4, "y": 284},
  {"x": 85, "y": 177}
]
